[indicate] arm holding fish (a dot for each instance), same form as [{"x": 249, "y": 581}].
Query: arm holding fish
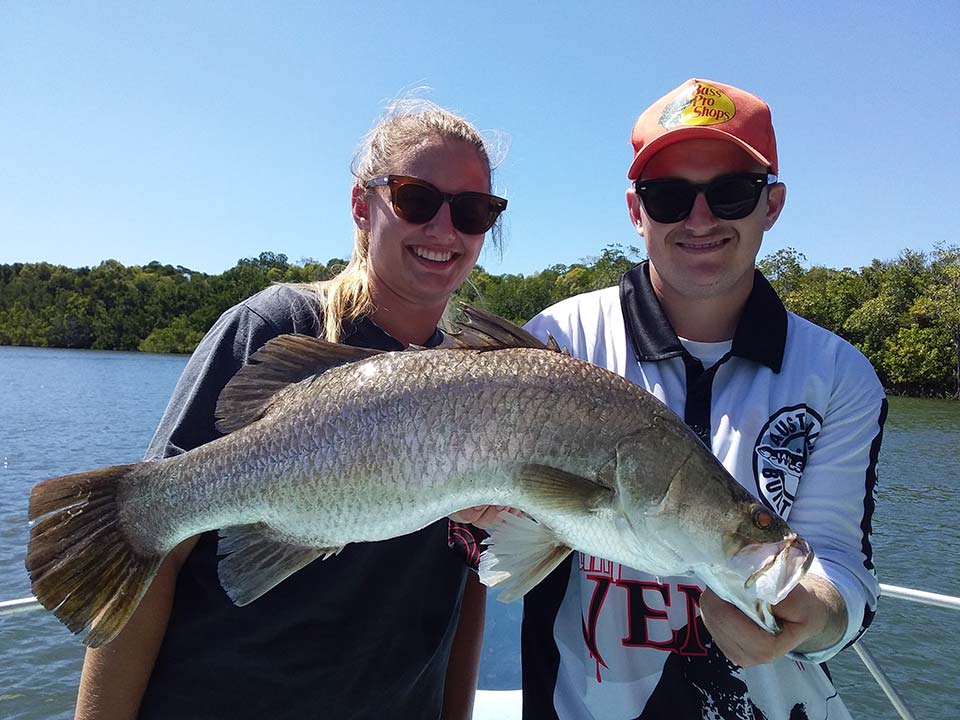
[
  {"x": 482, "y": 516},
  {"x": 115, "y": 675},
  {"x": 463, "y": 668},
  {"x": 812, "y": 616},
  {"x": 835, "y": 601}
]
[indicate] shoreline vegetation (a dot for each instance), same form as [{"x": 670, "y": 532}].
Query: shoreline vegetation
[{"x": 903, "y": 314}]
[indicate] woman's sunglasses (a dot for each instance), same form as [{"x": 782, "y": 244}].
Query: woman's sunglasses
[
  {"x": 730, "y": 197},
  {"x": 418, "y": 202}
]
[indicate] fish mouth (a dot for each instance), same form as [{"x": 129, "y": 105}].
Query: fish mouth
[{"x": 773, "y": 569}]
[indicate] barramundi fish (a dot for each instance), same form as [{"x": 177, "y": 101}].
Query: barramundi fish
[{"x": 328, "y": 444}]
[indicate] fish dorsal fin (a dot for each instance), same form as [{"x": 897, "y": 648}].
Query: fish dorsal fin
[
  {"x": 283, "y": 361},
  {"x": 479, "y": 329}
]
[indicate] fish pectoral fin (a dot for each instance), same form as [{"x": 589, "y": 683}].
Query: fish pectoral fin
[
  {"x": 563, "y": 491},
  {"x": 520, "y": 553},
  {"x": 283, "y": 361},
  {"x": 256, "y": 561}
]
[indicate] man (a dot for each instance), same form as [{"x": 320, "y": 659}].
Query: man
[{"x": 791, "y": 410}]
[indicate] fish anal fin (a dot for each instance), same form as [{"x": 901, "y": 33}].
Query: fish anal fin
[
  {"x": 283, "y": 361},
  {"x": 520, "y": 553},
  {"x": 257, "y": 560},
  {"x": 562, "y": 491}
]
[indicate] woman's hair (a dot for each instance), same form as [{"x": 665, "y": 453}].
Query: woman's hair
[{"x": 405, "y": 125}]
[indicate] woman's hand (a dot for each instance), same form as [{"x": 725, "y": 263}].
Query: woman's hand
[{"x": 482, "y": 516}]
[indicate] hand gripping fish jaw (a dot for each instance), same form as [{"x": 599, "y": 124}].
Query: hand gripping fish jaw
[{"x": 777, "y": 568}]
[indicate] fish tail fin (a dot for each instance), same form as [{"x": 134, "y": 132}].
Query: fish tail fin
[{"x": 82, "y": 567}]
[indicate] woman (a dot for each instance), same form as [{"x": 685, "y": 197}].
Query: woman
[{"x": 389, "y": 629}]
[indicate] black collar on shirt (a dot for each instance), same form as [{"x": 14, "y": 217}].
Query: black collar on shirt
[
  {"x": 365, "y": 333},
  {"x": 761, "y": 333}
]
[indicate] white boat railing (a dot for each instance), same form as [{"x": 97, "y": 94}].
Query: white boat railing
[
  {"x": 921, "y": 596},
  {"x": 9, "y": 607},
  {"x": 871, "y": 664}
]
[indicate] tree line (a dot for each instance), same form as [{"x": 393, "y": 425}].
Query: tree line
[
  {"x": 151, "y": 308},
  {"x": 903, "y": 314}
]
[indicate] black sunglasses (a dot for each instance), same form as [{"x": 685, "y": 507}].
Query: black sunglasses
[
  {"x": 730, "y": 197},
  {"x": 418, "y": 202}
]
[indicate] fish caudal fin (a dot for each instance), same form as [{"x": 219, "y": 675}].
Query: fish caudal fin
[
  {"x": 81, "y": 565},
  {"x": 256, "y": 561},
  {"x": 520, "y": 553}
]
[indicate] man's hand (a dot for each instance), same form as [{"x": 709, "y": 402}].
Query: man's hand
[
  {"x": 482, "y": 516},
  {"x": 812, "y": 617}
]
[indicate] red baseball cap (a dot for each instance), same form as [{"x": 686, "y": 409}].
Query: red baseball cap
[{"x": 704, "y": 109}]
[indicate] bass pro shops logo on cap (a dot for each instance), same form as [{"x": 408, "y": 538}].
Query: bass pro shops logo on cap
[
  {"x": 698, "y": 104},
  {"x": 704, "y": 109}
]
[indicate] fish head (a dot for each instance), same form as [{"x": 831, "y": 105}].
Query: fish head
[
  {"x": 753, "y": 559},
  {"x": 689, "y": 515},
  {"x": 765, "y": 562}
]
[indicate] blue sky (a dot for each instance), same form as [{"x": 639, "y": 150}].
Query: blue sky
[{"x": 197, "y": 133}]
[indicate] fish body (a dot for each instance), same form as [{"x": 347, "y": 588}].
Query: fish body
[{"x": 329, "y": 445}]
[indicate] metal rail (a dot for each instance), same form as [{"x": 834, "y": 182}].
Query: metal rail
[
  {"x": 921, "y": 596},
  {"x": 9, "y": 607},
  {"x": 869, "y": 662}
]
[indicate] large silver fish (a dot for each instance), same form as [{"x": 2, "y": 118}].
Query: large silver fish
[{"x": 329, "y": 444}]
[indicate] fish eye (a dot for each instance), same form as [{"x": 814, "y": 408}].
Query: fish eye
[{"x": 762, "y": 518}]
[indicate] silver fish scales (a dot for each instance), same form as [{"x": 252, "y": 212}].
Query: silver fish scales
[{"x": 328, "y": 445}]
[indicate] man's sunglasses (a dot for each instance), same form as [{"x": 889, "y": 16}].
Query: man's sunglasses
[
  {"x": 730, "y": 197},
  {"x": 418, "y": 202}
]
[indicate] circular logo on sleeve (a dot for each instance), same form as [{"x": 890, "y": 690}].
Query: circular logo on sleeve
[{"x": 781, "y": 453}]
